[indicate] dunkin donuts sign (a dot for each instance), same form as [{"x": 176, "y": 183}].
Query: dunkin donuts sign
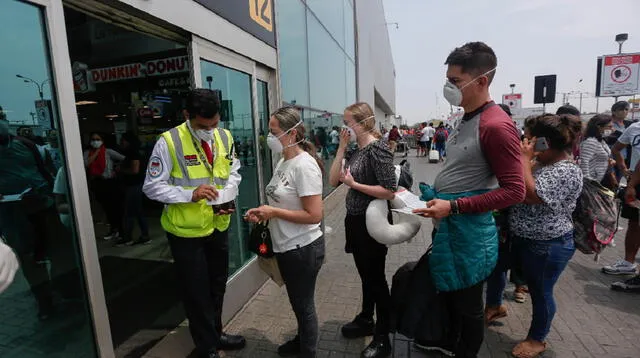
[{"x": 161, "y": 67}]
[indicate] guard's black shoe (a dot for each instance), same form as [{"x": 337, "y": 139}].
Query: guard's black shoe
[
  {"x": 380, "y": 347},
  {"x": 359, "y": 327},
  {"x": 229, "y": 342}
]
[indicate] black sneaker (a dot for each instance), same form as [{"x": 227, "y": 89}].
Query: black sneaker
[
  {"x": 123, "y": 242},
  {"x": 290, "y": 348},
  {"x": 359, "y": 327},
  {"x": 143, "y": 240},
  {"x": 429, "y": 346},
  {"x": 380, "y": 347},
  {"x": 630, "y": 285}
]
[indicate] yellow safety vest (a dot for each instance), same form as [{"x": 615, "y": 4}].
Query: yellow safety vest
[{"x": 190, "y": 171}]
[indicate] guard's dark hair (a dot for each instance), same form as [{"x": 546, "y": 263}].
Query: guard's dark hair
[
  {"x": 505, "y": 108},
  {"x": 203, "y": 102},
  {"x": 561, "y": 131},
  {"x": 568, "y": 109},
  {"x": 619, "y": 106},
  {"x": 474, "y": 58},
  {"x": 595, "y": 124}
]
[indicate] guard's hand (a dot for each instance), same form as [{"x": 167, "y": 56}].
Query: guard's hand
[
  {"x": 436, "y": 209},
  {"x": 203, "y": 192}
]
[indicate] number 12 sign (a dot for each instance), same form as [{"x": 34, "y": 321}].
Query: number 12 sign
[{"x": 261, "y": 12}]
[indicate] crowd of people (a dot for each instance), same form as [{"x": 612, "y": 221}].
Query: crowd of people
[{"x": 502, "y": 201}]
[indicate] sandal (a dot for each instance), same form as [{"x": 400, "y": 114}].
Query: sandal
[
  {"x": 528, "y": 349},
  {"x": 492, "y": 314}
]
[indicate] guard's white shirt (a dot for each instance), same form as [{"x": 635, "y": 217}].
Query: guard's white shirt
[{"x": 156, "y": 184}]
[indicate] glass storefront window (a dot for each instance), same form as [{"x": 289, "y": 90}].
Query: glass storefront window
[
  {"x": 264, "y": 115},
  {"x": 326, "y": 69},
  {"x": 331, "y": 16},
  {"x": 235, "y": 87},
  {"x": 319, "y": 126},
  {"x": 44, "y": 312},
  {"x": 349, "y": 30},
  {"x": 351, "y": 81},
  {"x": 292, "y": 44}
]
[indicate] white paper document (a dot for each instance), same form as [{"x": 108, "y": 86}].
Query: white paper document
[
  {"x": 410, "y": 200},
  {"x": 224, "y": 196},
  {"x": 14, "y": 197}
]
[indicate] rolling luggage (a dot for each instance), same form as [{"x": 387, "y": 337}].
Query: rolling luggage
[{"x": 434, "y": 155}]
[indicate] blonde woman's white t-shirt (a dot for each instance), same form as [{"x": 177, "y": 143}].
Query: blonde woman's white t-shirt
[{"x": 293, "y": 179}]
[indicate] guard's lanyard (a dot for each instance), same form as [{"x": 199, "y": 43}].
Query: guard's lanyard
[{"x": 203, "y": 157}]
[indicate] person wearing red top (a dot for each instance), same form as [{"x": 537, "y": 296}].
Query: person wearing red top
[{"x": 394, "y": 137}]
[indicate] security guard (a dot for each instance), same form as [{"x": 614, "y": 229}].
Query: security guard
[{"x": 191, "y": 164}]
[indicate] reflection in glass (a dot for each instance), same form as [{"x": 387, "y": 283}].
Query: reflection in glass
[
  {"x": 349, "y": 32},
  {"x": 331, "y": 16},
  {"x": 320, "y": 126},
  {"x": 44, "y": 312},
  {"x": 236, "y": 116},
  {"x": 264, "y": 115},
  {"x": 292, "y": 44},
  {"x": 326, "y": 69}
]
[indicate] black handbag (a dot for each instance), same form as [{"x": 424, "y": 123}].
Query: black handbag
[{"x": 260, "y": 240}]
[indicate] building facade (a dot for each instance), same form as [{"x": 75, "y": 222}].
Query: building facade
[{"x": 86, "y": 68}]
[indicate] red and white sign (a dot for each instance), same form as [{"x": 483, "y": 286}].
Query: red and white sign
[
  {"x": 513, "y": 100},
  {"x": 620, "y": 75},
  {"x": 161, "y": 67}
]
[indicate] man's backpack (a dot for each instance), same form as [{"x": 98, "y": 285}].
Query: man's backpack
[{"x": 595, "y": 218}]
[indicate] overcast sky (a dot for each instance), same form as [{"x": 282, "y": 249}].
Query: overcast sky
[{"x": 530, "y": 37}]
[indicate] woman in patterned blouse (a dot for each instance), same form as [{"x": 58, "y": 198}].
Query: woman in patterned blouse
[
  {"x": 369, "y": 173},
  {"x": 542, "y": 224}
]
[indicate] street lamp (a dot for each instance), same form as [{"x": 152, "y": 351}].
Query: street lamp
[
  {"x": 513, "y": 85},
  {"x": 39, "y": 85},
  {"x": 620, "y": 39}
]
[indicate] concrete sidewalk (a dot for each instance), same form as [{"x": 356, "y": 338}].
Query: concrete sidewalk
[{"x": 591, "y": 320}]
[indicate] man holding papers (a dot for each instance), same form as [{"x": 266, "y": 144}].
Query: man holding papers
[{"x": 192, "y": 168}]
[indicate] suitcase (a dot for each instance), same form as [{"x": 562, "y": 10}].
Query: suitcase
[{"x": 434, "y": 155}]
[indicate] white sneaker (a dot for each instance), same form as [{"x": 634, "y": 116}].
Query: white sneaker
[
  {"x": 621, "y": 267},
  {"x": 111, "y": 236}
]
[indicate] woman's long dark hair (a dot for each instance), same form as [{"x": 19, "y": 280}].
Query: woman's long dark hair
[
  {"x": 595, "y": 125},
  {"x": 561, "y": 132}
]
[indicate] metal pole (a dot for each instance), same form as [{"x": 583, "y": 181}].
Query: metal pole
[
  {"x": 597, "y": 104},
  {"x": 581, "y": 102},
  {"x": 633, "y": 113}
]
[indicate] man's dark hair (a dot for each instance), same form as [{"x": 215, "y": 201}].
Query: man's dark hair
[
  {"x": 395, "y": 127},
  {"x": 474, "y": 58},
  {"x": 619, "y": 106},
  {"x": 431, "y": 124},
  {"x": 203, "y": 102},
  {"x": 568, "y": 109},
  {"x": 595, "y": 124},
  {"x": 424, "y": 123},
  {"x": 505, "y": 108}
]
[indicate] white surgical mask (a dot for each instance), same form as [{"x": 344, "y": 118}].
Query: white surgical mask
[
  {"x": 607, "y": 132},
  {"x": 96, "y": 144},
  {"x": 453, "y": 94},
  {"x": 352, "y": 133},
  {"x": 274, "y": 143},
  {"x": 205, "y": 134}
]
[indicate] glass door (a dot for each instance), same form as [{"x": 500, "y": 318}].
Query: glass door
[{"x": 45, "y": 311}]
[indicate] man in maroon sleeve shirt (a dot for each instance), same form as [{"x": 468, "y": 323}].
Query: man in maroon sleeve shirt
[{"x": 483, "y": 173}]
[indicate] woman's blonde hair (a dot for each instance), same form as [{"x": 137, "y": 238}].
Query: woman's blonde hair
[
  {"x": 363, "y": 115},
  {"x": 288, "y": 118}
]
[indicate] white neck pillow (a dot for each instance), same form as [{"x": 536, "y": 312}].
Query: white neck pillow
[
  {"x": 406, "y": 227},
  {"x": 8, "y": 266}
]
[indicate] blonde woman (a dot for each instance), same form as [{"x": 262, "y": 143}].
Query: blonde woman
[
  {"x": 294, "y": 214},
  {"x": 369, "y": 173}
]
